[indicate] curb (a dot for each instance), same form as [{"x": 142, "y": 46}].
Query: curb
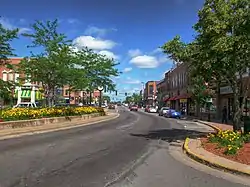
[
  {"x": 207, "y": 124},
  {"x": 56, "y": 129},
  {"x": 209, "y": 163}
]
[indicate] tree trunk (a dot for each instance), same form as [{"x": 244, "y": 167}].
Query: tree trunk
[
  {"x": 218, "y": 102},
  {"x": 198, "y": 109},
  {"x": 237, "y": 108}
]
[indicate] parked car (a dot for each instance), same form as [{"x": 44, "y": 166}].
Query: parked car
[
  {"x": 146, "y": 109},
  {"x": 152, "y": 110},
  {"x": 134, "y": 108},
  {"x": 163, "y": 111},
  {"x": 173, "y": 114},
  {"x": 111, "y": 106}
]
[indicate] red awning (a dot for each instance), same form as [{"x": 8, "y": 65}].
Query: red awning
[
  {"x": 184, "y": 96},
  {"x": 172, "y": 99},
  {"x": 165, "y": 100}
]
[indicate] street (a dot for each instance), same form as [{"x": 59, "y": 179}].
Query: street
[{"x": 106, "y": 154}]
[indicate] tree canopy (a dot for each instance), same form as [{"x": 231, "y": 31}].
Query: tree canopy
[
  {"x": 61, "y": 64},
  {"x": 220, "y": 50},
  {"x": 6, "y": 36}
]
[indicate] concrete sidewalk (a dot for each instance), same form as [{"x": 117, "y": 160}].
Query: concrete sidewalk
[{"x": 17, "y": 132}]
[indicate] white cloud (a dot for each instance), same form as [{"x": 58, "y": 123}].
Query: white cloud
[
  {"x": 163, "y": 59},
  {"x": 127, "y": 70},
  {"x": 145, "y": 61},
  {"x": 93, "y": 43},
  {"x": 72, "y": 21},
  {"x": 134, "y": 52},
  {"x": 156, "y": 51},
  {"x": 129, "y": 80},
  {"x": 7, "y": 24},
  {"x": 109, "y": 54},
  {"x": 95, "y": 30}
]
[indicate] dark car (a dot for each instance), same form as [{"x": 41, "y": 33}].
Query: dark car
[
  {"x": 146, "y": 109},
  {"x": 134, "y": 108},
  {"x": 173, "y": 114},
  {"x": 111, "y": 106}
]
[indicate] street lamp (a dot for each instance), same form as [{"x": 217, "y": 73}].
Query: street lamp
[{"x": 100, "y": 88}]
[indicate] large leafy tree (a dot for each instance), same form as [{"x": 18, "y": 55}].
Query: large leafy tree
[
  {"x": 53, "y": 65},
  {"x": 181, "y": 52},
  {"x": 98, "y": 70},
  {"x": 221, "y": 49},
  {"x": 6, "y": 36},
  {"x": 223, "y": 34}
]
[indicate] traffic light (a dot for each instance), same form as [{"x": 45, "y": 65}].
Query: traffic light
[
  {"x": 116, "y": 92},
  {"x": 126, "y": 94}
]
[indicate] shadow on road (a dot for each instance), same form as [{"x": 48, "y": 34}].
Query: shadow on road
[{"x": 171, "y": 135}]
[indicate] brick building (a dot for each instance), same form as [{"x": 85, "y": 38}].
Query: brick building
[
  {"x": 150, "y": 93},
  {"x": 176, "y": 89}
]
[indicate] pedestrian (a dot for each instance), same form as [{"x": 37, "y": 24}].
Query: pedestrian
[{"x": 224, "y": 115}]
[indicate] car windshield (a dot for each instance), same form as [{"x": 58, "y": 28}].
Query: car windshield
[{"x": 165, "y": 108}]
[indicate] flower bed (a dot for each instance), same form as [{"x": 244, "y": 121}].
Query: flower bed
[
  {"x": 36, "y": 113},
  {"x": 229, "y": 144}
]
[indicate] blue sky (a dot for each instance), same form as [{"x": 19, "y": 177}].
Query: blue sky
[{"x": 129, "y": 30}]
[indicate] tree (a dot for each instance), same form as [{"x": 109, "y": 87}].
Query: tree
[
  {"x": 98, "y": 69},
  {"x": 221, "y": 49},
  {"x": 223, "y": 34},
  {"x": 53, "y": 66},
  {"x": 6, "y": 36},
  {"x": 137, "y": 98},
  {"x": 129, "y": 99},
  {"x": 106, "y": 98}
]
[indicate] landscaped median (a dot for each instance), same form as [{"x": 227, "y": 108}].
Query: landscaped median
[
  {"x": 50, "y": 119},
  {"x": 227, "y": 150}
]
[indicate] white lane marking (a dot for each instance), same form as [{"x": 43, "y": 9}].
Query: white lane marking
[{"x": 129, "y": 125}]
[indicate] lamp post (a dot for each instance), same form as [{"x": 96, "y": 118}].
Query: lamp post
[{"x": 100, "y": 88}]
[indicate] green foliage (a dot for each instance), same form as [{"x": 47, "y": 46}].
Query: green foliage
[
  {"x": 107, "y": 98},
  {"x": 61, "y": 64},
  {"x": 221, "y": 48},
  {"x": 136, "y": 98},
  {"x": 6, "y": 36},
  {"x": 231, "y": 140}
]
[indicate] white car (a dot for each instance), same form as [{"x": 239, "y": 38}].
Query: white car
[
  {"x": 163, "y": 111},
  {"x": 152, "y": 110}
]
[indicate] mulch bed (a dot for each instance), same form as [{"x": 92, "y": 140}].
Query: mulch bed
[{"x": 243, "y": 155}]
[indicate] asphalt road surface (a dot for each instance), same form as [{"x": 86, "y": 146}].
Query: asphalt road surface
[{"x": 98, "y": 155}]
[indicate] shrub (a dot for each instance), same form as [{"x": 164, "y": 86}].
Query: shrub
[
  {"x": 231, "y": 140},
  {"x": 36, "y": 113}
]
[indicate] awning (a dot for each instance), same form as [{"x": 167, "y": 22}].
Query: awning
[
  {"x": 184, "y": 96},
  {"x": 172, "y": 99},
  {"x": 26, "y": 94},
  {"x": 166, "y": 99}
]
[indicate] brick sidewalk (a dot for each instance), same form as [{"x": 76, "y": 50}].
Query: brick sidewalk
[
  {"x": 8, "y": 133},
  {"x": 194, "y": 148},
  {"x": 219, "y": 125}
]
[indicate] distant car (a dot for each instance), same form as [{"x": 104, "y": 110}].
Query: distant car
[
  {"x": 163, "y": 111},
  {"x": 173, "y": 114},
  {"x": 152, "y": 110},
  {"x": 111, "y": 107},
  {"x": 134, "y": 108}
]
